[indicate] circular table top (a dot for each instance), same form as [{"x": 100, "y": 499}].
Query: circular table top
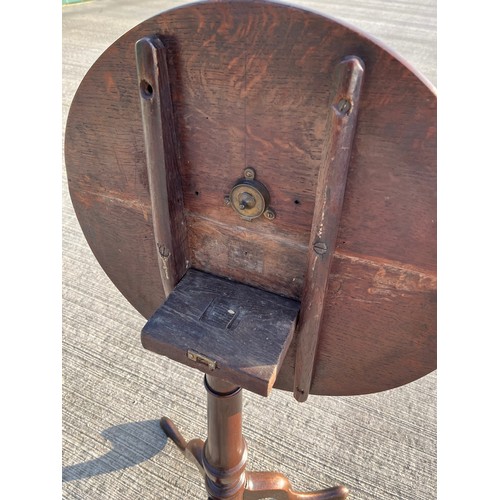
[{"x": 250, "y": 83}]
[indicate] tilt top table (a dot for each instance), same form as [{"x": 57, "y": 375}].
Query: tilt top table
[{"x": 259, "y": 182}]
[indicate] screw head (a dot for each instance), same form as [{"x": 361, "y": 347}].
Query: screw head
[
  {"x": 320, "y": 248},
  {"x": 269, "y": 214},
  {"x": 249, "y": 173},
  {"x": 344, "y": 106},
  {"x": 227, "y": 200}
]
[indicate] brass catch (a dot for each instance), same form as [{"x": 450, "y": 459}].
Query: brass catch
[
  {"x": 249, "y": 197},
  {"x": 201, "y": 359}
]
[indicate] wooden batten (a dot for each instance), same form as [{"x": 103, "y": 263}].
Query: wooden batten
[
  {"x": 162, "y": 155},
  {"x": 332, "y": 178}
]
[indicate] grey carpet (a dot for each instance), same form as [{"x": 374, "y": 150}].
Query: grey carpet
[{"x": 381, "y": 446}]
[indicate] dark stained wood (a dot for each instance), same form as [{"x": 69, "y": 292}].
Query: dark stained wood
[
  {"x": 332, "y": 177},
  {"x": 259, "y": 259},
  {"x": 229, "y": 330},
  {"x": 167, "y": 206},
  {"x": 250, "y": 84},
  {"x": 366, "y": 353}
]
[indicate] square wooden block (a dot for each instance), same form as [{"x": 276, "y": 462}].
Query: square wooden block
[{"x": 230, "y": 330}]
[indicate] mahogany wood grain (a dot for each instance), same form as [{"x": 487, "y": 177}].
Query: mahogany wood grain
[{"x": 250, "y": 85}]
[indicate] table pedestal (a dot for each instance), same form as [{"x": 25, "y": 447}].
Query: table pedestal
[{"x": 222, "y": 458}]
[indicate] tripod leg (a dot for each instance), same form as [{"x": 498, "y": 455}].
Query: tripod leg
[
  {"x": 193, "y": 450},
  {"x": 276, "y": 485}
]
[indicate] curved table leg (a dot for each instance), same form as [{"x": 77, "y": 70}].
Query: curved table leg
[
  {"x": 193, "y": 450},
  {"x": 276, "y": 485}
]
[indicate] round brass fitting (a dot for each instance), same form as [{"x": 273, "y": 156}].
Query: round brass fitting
[{"x": 249, "y": 197}]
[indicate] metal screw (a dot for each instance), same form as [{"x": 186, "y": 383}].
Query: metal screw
[
  {"x": 227, "y": 200},
  {"x": 320, "y": 248},
  {"x": 344, "y": 106},
  {"x": 269, "y": 214},
  {"x": 249, "y": 173}
]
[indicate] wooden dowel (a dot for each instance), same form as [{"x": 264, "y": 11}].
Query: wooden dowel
[{"x": 332, "y": 178}]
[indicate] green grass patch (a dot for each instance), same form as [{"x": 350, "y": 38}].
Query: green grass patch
[{"x": 69, "y": 2}]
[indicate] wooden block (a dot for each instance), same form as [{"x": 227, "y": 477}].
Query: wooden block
[{"x": 224, "y": 328}]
